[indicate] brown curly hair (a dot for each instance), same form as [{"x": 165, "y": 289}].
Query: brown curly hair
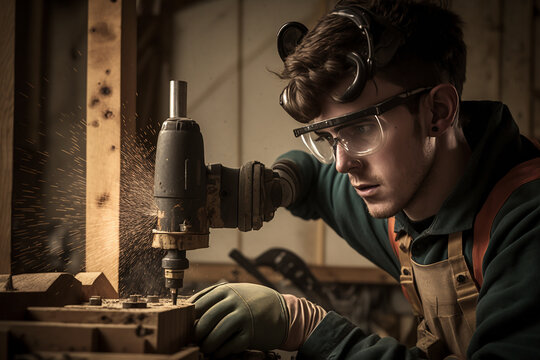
[{"x": 433, "y": 51}]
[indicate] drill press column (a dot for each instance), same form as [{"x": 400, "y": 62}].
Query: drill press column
[{"x": 179, "y": 190}]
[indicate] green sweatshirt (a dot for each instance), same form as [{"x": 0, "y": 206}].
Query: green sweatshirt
[{"x": 508, "y": 310}]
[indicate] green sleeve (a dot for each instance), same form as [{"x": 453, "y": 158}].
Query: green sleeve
[
  {"x": 508, "y": 311},
  {"x": 328, "y": 195},
  {"x": 337, "y": 338}
]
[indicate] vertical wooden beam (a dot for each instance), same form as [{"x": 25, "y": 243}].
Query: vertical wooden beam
[
  {"x": 536, "y": 70},
  {"x": 110, "y": 116},
  {"x": 320, "y": 243},
  {"x": 516, "y": 61},
  {"x": 7, "y": 83},
  {"x": 240, "y": 96}
]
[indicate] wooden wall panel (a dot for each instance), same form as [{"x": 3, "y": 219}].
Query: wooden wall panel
[
  {"x": 503, "y": 56},
  {"x": 7, "y": 78},
  {"x": 482, "y": 33},
  {"x": 111, "y": 88}
]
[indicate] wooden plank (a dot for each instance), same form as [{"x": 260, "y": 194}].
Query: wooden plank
[
  {"x": 44, "y": 289},
  {"x": 169, "y": 327},
  {"x": 110, "y": 313},
  {"x": 536, "y": 70},
  {"x": 516, "y": 61},
  {"x": 7, "y": 83},
  {"x": 111, "y": 89},
  {"x": 6, "y": 282},
  {"x": 137, "y": 339},
  {"x": 50, "y": 336},
  {"x": 54, "y": 336},
  {"x": 213, "y": 272},
  {"x": 43, "y": 282},
  {"x": 189, "y": 353},
  {"x": 96, "y": 283},
  {"x": 175, "y": 329}
]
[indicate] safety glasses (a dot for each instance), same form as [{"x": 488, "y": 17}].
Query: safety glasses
[{"x": 359, "y": 133}]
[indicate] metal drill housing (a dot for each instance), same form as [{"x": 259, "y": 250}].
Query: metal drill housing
[
  {"x": 180, "y": 184},
  {"x": 180, "y": 179},
  {"x": 192, "y": 197},
  {"x": 179, "y": 190}
]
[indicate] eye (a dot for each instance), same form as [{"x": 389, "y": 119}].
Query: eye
[
  {"x": 360, "y": 129},
  {"x": 322, "y": 136}
]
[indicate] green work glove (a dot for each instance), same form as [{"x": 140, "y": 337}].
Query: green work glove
[{"x": 236, "y": 317}]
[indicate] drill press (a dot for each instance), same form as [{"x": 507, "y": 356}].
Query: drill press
[{"x": 192, "y": 197}]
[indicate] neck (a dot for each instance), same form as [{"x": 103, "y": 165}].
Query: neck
[{"x": 451, "y": 154}]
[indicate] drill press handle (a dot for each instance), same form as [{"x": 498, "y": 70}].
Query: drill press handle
[
  {"x": 244, "y": 198},
  {"x": 262, "y": 191}
]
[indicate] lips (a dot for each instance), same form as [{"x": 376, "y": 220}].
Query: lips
[{"x": 365, "y": 190}]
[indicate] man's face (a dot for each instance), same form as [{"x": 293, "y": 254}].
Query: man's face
[{"x": 389, "y": 179}]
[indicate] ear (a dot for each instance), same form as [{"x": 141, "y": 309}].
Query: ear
[{"x": 444, "y": 103}]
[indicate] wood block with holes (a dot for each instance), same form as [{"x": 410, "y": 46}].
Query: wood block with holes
[
  {"x": 163, "y": 328},
  {"x": 188, "y": 353}
]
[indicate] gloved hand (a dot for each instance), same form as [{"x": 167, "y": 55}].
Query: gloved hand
[{"x": 236, "y": 317}]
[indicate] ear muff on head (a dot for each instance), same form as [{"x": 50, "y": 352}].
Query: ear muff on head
[
  {"x": 382, "y": 41},
  {"x": 289, "y": 36},
  {"x": 361, "y": 75},
  {"x": 363, "y": 67}
]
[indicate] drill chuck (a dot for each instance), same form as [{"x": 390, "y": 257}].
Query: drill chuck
[{"x": 174, "y": 264}]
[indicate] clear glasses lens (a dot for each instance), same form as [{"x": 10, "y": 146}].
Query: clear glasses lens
[
  {"x": 320, "y": 146},
  {"x": 360, "y": 138}
]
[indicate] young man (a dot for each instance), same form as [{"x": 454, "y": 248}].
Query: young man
[{"x": 442, "y": 194}]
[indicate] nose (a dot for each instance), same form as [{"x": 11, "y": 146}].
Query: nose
[{"x": 345, "y": 162}]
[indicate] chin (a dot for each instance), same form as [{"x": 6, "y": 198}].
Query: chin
[{"x": 382, "y": 211}]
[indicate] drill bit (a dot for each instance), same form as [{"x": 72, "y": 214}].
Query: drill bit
[{"x": 174, "y": 295}]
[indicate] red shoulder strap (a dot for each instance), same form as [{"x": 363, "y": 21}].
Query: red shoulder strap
[
  {"x": 392, "y": 235},
  {"x": 517, "y": 176}
]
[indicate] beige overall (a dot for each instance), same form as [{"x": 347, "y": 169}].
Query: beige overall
[{"x": 444, "y": 296}]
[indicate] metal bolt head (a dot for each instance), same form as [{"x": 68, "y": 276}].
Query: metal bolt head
[
  {"x": 95, "y": 300},
  {"x": 152, "y": 299},
  {"x": 135, "y": 298}
]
